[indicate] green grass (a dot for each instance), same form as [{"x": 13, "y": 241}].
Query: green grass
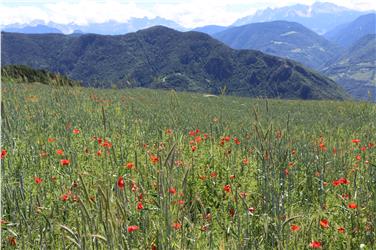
[{"x": 274, "y": 135}]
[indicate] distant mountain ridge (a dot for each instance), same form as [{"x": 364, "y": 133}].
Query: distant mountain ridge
[
  {"x": 346, "y": 34},
  {"x": 282, "y": 38},
  {"x": 320, "y": 16},
  {"x": 38, "y": 29},
  {"x": 106, "y": 28},
  {"x": 160, "y": 57}
]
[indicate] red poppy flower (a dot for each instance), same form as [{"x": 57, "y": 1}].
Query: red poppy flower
[
  {"x": 38, "y": 180},
  {"x": 227, "y": 188},
  {"x": 3, "y": 153},
  {"x": 140, "y": 206},
  {"x": 120, "y": 182},
  {"x": 236, "y": 140},
  {"x": 133, "y": 228},
  {"x": 12, "y": 240},
  {"x": 294, "y": 228},
  {"x": 181, "y": 202},
  {"x": 154, "y": 159},
  {"x": 107, "y": 144},
  {"x": 64, "y": 162},
  {"x": 168, "y": 131},
  {"x": 64, "y": 197},
  {"x": 198, "y": 139},
  {"x": 213, "y": 174},
  {"x": 245, "y": 161},
  {"x": 324, "y": 223},
  {"x": 193, "y": 148},
  {"x": 341, "y": 230},
  {"x": 99, "y": 152},
  {"x": 76, "y": 131},
  {"x": 356, "y": 141},
  {"x": 352, "y": 205},
  {"x": 60, "y": 152},
  {"x": 176, "y": 226},
  {"x": 358, "y": 157},
  {"x": 251, "y": 210},
  {"x": 130, "y": 165},
  {"x": 172, "y": 190},
  {"x": 51, "y": 140},
  {"x": 315, "y": 244},
  {"x": 286, "y": 172},
  {"x": 227, "y": 138}
]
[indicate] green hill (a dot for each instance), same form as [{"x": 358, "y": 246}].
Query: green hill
[
  {"x": 282, "y": 38},
  {"x": 356, "y": 69},
  {"x": 160, "y": 57},
  {"x": 25, "y": 74}
]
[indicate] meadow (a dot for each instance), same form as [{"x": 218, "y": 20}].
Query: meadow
[{"x": 87, "y": 168}]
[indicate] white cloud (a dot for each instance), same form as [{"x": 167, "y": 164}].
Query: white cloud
[{"x": 189, "y": 13}]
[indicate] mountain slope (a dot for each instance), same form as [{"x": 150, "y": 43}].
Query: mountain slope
[
  {"x": 210, "y": 29},
  {"x": 160, "y": 57},
  {"x": 24, "y": 74},
  {"x": 281, "y": 38},
  {"x": 38, "y": 29},
  {"x": 346, "y": 34},
  {"x": 356, "y": 69},
  {"x": 320, "y": 17}
]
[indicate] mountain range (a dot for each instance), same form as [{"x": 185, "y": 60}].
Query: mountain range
[
  {"x": 106, "y": 28},
  {"x": 319, "y": 17},
  {"x": 161, "y": 57},
  {"x": 346, "y": 34},
  {"x": 281, "y": 38}
]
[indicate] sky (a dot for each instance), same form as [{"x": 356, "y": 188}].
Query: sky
[{"x": 188, "y": 13}]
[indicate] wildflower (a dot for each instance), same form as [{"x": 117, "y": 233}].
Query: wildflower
[
  {"x": 213, "y": 174},
  {"x": 341, "y": 230},
  {"x": 198, "y": 139},
  {"x": 294, "y": 228},
  {"x": 133, "y": 228},
  {"x": 64, "y": 162},
  {"x": 236, "y": 140},
  {"x": 76, "y": 131},
  {"x": 245, "y": 161},
  {"x": 3, "y": 153},
  {"x": 64, "y": 197},
  {"x": 358, "y": 157},
  {"x": 168, "y": 131},
  {"x": 315, "y": 244},
  {"x": 50, "y": 140},
  {"x": 60, "y": 152},
  {"x": 172, "y": 190},
  {"x": 120, "y": 182},
  {"x": 99, "y": 152},
  {"x": 154, "y": 159},
  {"x": 38, "y": 180},
  {"x": 193, "y": 148},
  {"x": 176, "y": 225},
  {"x": 352, "y": 205},
  {"x": 324, "y": 223},
  {"x": 140, "y": 206},
  {"x": 251, "y": 210},
  {"x": 107, "y": 144},
  {"x": 181, "y": 202},
  {"x": 227, "y": 188},
  {"x": 356, "y": 141},
  {"x": 130, "y": 165},
  {"x": 12, "y": 240}
]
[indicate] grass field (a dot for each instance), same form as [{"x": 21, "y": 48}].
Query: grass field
[{"x": 148, "y": 169}]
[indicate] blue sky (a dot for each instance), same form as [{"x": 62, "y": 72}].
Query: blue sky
[{"x": 189, "y": 13}]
